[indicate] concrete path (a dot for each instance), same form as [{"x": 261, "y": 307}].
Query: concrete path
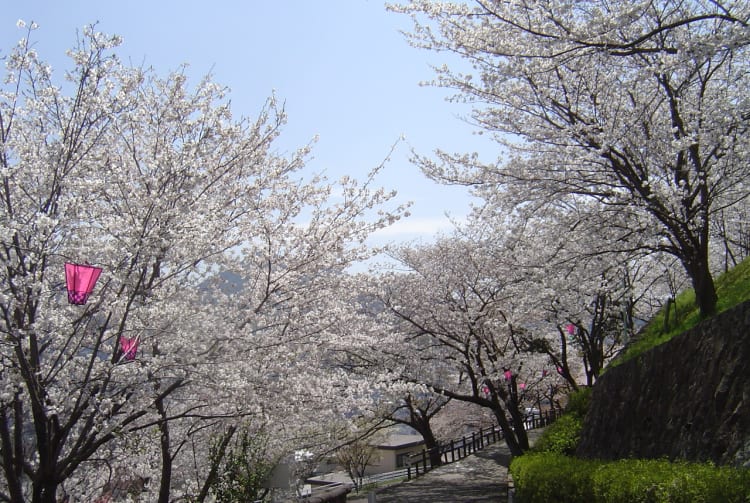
[{"x": 481, "y": 477}]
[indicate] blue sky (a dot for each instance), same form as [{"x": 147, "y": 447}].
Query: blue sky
[{"x": 342, "y": 68}]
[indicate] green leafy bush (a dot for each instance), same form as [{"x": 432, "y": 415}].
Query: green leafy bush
[
  {"x": 561, "y": 436},
  {"x": 664, "y": 481},
  {"x": 545, "y": 477},
  {"x": 542, "y": 477},
  {"x": 578, "y": 402}
]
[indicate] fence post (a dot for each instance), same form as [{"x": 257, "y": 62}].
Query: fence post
[
  {"x": 453, "y": 453},
  {"x": 424, "y": 460},
  {"x": 408, "y": 472},
  {"x": 473, "y": 442},
  {"x": 464, "y": 442}
]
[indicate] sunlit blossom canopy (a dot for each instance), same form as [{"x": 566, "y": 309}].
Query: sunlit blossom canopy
[{"x": 80, "y": 280}]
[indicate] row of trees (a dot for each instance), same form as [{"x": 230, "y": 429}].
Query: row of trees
[
  {"x": 623, "y": 133},
  {"x": 630, "y": 117}
]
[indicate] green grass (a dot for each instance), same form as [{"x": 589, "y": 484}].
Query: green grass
[
  {"x": 541, "y": 477},
  {"x": 732, "y": 288}
]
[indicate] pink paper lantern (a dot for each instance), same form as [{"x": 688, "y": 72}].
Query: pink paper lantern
[
  {"x": 523, "y": 385},
  {"x": 571, "y": 329},
  {"x": 508, "y": 375},
  {"x": 80, "y": 280},
  {"x": 129, "y": 347}
]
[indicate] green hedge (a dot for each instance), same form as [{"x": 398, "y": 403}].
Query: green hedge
[
  {"x": 546, "y": 476},
  {"x": 562, "y": 436}
]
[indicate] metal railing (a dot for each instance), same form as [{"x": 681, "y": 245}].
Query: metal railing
[
  {"x": 455, "y": 450},
  {"x": 377, "y": 478}
]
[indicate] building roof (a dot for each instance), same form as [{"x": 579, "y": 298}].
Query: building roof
[{"x": 400, "y": 441}]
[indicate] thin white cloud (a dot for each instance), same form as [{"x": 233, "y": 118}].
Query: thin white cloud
[{"x": 418, "y": 227}]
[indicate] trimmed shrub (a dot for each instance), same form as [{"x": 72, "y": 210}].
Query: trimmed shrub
[
  {"x": 562, "y": 436},
  {"x": 545, "y": 477}
]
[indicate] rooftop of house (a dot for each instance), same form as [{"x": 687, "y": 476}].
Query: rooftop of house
[{"x": 400, "y": 441}]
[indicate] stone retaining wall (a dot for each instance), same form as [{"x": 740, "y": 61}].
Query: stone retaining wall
[{"x": 686, "y": 399}]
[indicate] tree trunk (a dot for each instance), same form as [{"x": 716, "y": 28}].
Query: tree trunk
[
  {"x": 703, "y": 284},
  {"x": 216, "y": 463},
  {"x": 11, "y": 460},
  {"x": 433, "y": 448},
  {"x": 421, "y": 423},
  {"x": 166, "y": 456},
  {"x": 509, "y": 434},
  {"x": 45, "y": 489}
]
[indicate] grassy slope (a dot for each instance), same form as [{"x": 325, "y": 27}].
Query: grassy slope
[{"x": 733, "y": 288}]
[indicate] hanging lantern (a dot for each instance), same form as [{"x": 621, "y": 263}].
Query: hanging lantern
[
  {"x": 129, "y": 347},
  {"x": 508, "y": 374},
  {"x": 571, "y": 329},
  {"x": 80, "y": 280}
]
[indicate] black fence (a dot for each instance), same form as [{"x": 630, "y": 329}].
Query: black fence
[{"x": 419, "y": 464}]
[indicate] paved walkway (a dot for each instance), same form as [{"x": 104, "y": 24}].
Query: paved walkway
[{"x": 481, "y": 477}]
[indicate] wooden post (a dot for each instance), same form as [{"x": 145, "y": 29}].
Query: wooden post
[{"x": 453, "y": 453}]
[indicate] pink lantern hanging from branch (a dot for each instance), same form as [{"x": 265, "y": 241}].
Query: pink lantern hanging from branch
[
  {"x": 80, "y": 280},
  {"x": 129, "y": 348}
]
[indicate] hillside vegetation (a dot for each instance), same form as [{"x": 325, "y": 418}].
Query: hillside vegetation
[
  {"x": 733, "y": 287},
  {"x": 552, "y": 472}
]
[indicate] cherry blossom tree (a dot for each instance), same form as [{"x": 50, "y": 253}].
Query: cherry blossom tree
[
  {"x": 582, "y": 306},
  {"x": 639, "y": 107},
  {"x": 418, "y": 411},
  {"x": 448, "y": 318},
  {"x": 367, "y": 357},
  {"x": 152, "y": 179},
  {"x": 732, "y": 234}
]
